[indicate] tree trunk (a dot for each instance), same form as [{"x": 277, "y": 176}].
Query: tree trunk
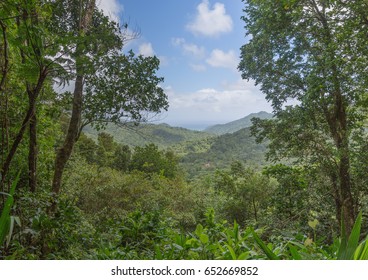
[
  {"x": 65, "y": 151},
  {"x": 347, "y": 202},
  {"x": 32, "y": 155},
  {"x": 5, "y": 53},
  {"x": 24, "y": 125},
  {"x": 337, "y": 121},
  {"x": 4, "y": 101},
  {"x": 255, "y": 209},
  {"x": 342, "y": 145},
  {"x": 337, "y": 198}
]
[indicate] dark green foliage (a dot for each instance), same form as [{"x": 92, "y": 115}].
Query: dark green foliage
[
  {"x": 246, "y": 193},
  {"x": 151, "y": 191},
  {"x": 127, "y": 89},
  {"x": 150, "y": 160},
  {"x": 87, "y": 148},
  {"x": 67, "y": 235},
  {"x": 122, "y": 157},
  {"x": 311, "y": 52},
  {"x": 290, "y": 196}
]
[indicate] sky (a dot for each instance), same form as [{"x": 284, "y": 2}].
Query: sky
[{"x": 198, "y": 43}]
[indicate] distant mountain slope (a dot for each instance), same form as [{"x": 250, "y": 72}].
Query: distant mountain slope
[
  {"x": 222, "y": 151},
  {"x": 200, "y": 152},
  {"x": 234, "y": 126},
  {"x": 162, "y": 135}
]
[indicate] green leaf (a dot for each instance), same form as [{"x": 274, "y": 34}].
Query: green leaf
[
  {"x": 361, "y": 253},
  {"x": 232, "y": 252},
  {"x": 199, "y": 230},
  {"x": 158, "y": 253},
  {"x": 294, "y": 253},
  {"x": 5, "y": 222},
  {"x": 243, "y": 256},
  {"x": 204, "y": 238},
  {"x": 348, "y": 247},
  {"x": 313, "y": 224},
  {"x": 177, "y": 246},
  {"x": 264, "y": 247}
]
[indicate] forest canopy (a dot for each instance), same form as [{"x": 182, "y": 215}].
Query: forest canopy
[{"x": 79, "y": 181}]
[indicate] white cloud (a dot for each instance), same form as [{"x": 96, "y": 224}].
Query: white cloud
[
  {"x": 111, "y": 8},
  {"x": 211, "y": 22},
  {"x": 146, "y": 49},
  {"x": 194, "y": 50},
  {"x": 189, "y": 48},
  {"x": 219, "y": 58},
  {"x": 209, "y": 105}
]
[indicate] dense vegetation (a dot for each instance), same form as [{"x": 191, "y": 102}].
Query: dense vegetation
[
  {"x": 71, "y": 190},
  {"x": 162, "y": 135}
]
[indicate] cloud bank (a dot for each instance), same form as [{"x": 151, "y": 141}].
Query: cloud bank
[{"x": 211, "y": 106}]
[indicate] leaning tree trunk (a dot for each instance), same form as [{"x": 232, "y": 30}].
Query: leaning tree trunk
[
  {"x": 32, "y": 154},
  {"x": 4, "y": 101},
  {"x": 30, "y": 112},
  {"x": 65, "y": 151}
]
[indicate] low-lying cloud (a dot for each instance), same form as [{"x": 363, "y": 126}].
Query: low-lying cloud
[{"x": 233, "y": 101}]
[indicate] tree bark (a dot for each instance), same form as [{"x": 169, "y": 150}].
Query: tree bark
[
  {"x": 337, "y": 121},
  {"x": 26, "y": 120},
  {"x": 5, "y": 67},
  {"x": 4, "y": 98},
  {"x": 33, "y": 151},
  {"x": 65, "y": 151}
]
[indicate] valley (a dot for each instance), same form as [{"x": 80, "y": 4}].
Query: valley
[{"x": 199, "y": 152}]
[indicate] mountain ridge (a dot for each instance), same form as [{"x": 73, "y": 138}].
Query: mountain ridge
[
  {"x": 236, "y": 125},
  {"x": 162, "y": 135}
]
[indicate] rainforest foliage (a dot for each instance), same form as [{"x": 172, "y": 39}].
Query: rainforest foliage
[{"x": 83, "y": 176}]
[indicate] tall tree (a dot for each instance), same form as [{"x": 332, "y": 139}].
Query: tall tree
[
  {"x": 110, "y": 86},
  {"x": 28, "y": 45},
  {"x": 313, "y": 52},
  {"x": 86, "y": 10}
]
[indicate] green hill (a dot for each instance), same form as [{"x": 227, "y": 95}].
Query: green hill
[
  {"x": 162, "y": 135},
  {"x": 199, "y": 152},
  {"x": 234, "y": 126},
  {"x": 222, "y": 151}
]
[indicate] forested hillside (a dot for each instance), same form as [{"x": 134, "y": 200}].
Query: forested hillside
[
  {"x": 234, "y": 126},
  {"x": 162, "y": 135},
  {"x": 198, "y": 152},
  {"x": 219, "y": 152},
  {"x": 77, "y": 182}
]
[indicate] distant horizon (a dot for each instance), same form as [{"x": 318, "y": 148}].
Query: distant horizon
[
  {"x": 201, "y": 125},
  {"x": 198, "y": 45}
]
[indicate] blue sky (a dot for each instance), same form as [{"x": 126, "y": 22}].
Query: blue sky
[{"x": 197, "y": 42}]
